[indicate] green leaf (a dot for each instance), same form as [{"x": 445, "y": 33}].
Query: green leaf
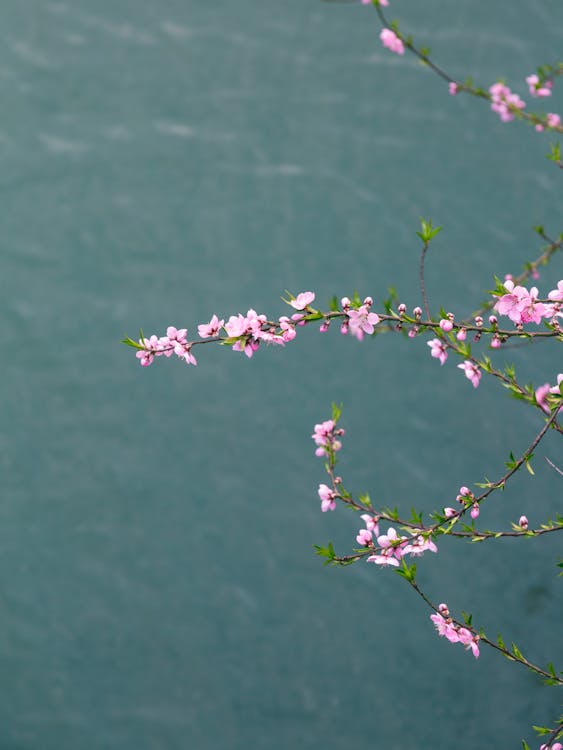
[
  {"x": 516, "y": 651},
  {"x": 428, "y": 232},
  {"x": 130, "y": 342},
  {"x": 336, "y": 412}
]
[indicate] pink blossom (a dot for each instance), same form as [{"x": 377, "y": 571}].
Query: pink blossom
[
  {"x": 302, "y": 300},
  {"x": 364, "y": 537},
  {"x": 504, "y": 102},
  {"x": 391, "y": 541},
  {"x": 371, "y": 523},
  {"x": 385, "y": 557},
  {"x": 445, "y": 628},
  {"x": 325, "y": 437},
  {"x": 438, "y": 349},
  {"x": 446, "y": 324},
  {"x": 523, "y": 523},
  {"x": 390, "y": 40},
  {"x": 557, "y": 294},
  {"x": 420, "y": 545},
  {"x": 556, "y": 389},
  {"x": 287, "y": 328},
  {"x": 475, "y": 511},
  {"x": 469, "y": 640},
  {"x": 461, "y": 335},
  {"x": 207, "y": 330},
  {"x": 536, "y": 88},
  {"x": 450, "y": 512},
  {"x": 541, "y": 396},
  {"x": 453, "y": 88},
  {"x": 472, "y": 372},
  {"x": 362, "y": 321},
  {"x": 327, "y": 498},
  {"x": 556, "y": 746},
  {"x": 521, "y": 305}
]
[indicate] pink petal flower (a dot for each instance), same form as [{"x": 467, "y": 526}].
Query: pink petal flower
[
  {"x": 390, "y": 40},
  {"x": 302, "y": 300}
]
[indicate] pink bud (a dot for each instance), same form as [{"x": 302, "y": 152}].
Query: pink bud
[
  {"x": 443, "y": 610},
  {"x": 475, "y": 511},
  {"x": 446, "y": 325},
  {"x": 450, "y": 512},
  {"x": 461, "y": 334},
  {"x": 345, "y": 302},
  {"x": 401, "y": 309},
  {"x": 496, "y": 342},
  {"x": 493, "y": 320},
  {"x": 417, "y": 312},
  {"x": 478, "y": 321},
  {"x": 523, "y": 522},
  {"x": 368, "y": 301},
  {"x": 324, "y": 326},
  {"x": 465, "y": 491}
]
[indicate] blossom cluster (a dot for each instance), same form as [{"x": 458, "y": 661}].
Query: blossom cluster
[
  {"x": 522, "y": 306},
  {"x": 504, "y": 101},
  {"x": 326, "y": 436},
  {"x": 447, "y": 628}
]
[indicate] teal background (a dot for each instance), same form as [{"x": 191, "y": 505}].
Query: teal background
[{"x": 165, "y": 160}]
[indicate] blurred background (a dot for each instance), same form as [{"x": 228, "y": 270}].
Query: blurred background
[{"x": 164, "y": 160}]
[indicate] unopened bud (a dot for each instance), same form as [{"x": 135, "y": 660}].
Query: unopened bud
[
  {"x": 523, "y": 523},
  {"x": 402, "y": 308}
]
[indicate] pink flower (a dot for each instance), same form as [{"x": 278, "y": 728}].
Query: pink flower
[
  {"x": 385, "y": 558},
  {"x": 327, "y": 498},
  {"x": 557, "y": 294},
  {"x": 453, "y": 88},
  {"x": 391, "y": 541},
  {"x": 364, "y": 537},
  {"x": 556, "y": 746},
  {"x": 390, "y": 40},
  {"x": 438, "y": 349},
  {"x": 475, "y": 511},
  {"x": 450, "y": 512},
  {"x": 556, "y": 388},
  {"x": 472, "y": 372},
  {"x": 469, "y": 640},
  {"x": 420, "y": 545},
  {"x": 302, "y": 300},
  {"x": 541, "y": 394},
  {"x": 523, "y": 523},
  {"x": 207, "y": 330},
  {"x": 552, "y": 120},
  {"x": 445, "y": 628},
  {"x": 371, "y": 523},
  {"x": 446, "y": 324},
  {"x": 461, "y": 335},
  {"x": 362, "y": 321}
]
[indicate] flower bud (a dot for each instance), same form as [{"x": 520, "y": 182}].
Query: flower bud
[
  {"x": 523, "y": 523},
  {"x": 402, "y": 308},
  {"x": 446, "y": 325},
  {"x": 324, "y": 326},
  {"x": 368, "y": 301},
  {"x": 495, "y": 343},
  {"x": 478, "y": 321},
  {"x": 450, "y": 512},
  {"x": 475, "y": 511},
  {"x": 493, "y": 320},
  {"x": 345, "y": 302},
  {"x": 461, "y": 334},
  {"x": 417, "y": 312}
]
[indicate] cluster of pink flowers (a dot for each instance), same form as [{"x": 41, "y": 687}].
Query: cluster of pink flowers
[
  {"x": 552, "y": 121},
  {"x": 392, "y": 547},
  {"x": 556, "y": 746},
  {"x": 326, "y": 438},
  {"x": 538, "y": 88},
  {"x": 175, "y": 342},
  {"x": 521, "y": 305},
  {"x": 503, "y": 101},
  {"x": 454, "y": 633},
  {"x": 390, "y": 40}
]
